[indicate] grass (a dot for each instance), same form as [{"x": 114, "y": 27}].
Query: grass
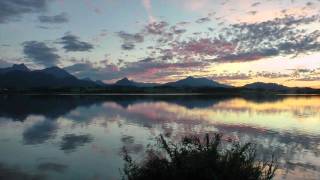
[{"x": 200, "y": 159}]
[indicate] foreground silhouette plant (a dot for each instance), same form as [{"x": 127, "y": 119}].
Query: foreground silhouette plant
[{"x": 196, "y": 159}]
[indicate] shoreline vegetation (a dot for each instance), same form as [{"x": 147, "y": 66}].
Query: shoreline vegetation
[
  {"x": 199, "y": 158},
  {"x": 160, "y": 90}
]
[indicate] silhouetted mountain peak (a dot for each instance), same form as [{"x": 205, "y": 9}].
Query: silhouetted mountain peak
[
  {"x": 15, "y": 67},
  {"x": 195, "y": 82},
  {"x": 57, "y": 72},
  {"x": 125, "y": 82},
  {"x": 20, "y": 67},
  {"x": 267, "y": 86}
]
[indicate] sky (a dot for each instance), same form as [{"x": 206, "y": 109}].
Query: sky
[{"x": 230, "y": 41}]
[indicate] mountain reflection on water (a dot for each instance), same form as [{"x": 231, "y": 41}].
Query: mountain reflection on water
[{"x": 73, "y": 137}]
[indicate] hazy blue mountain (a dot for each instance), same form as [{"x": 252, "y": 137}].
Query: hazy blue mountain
[
  {"x": 15, "y": 67},
  {"x": 128, "y": 83},
  {"x": 266, "y": 86},
  {"x": 196, "y": 82}
]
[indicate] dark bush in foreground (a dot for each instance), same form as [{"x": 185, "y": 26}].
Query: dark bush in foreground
[{"x": 196, "y": 159}]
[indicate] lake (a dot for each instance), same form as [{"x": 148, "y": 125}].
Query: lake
[{"x": 81, "y": 137}]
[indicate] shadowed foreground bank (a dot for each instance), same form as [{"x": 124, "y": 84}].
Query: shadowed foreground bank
[{"x": 194, "y": 158}]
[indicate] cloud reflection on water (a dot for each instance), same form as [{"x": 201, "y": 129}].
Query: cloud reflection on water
[{"x": 287, "y": 126}]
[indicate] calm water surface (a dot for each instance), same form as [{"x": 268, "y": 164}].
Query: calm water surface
[{"x": 81, "y": 137}]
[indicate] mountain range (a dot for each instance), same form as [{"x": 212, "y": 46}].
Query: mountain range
[{"x": 20, "y": 76}]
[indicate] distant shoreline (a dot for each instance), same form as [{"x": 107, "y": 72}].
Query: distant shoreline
[{"x": 164, "y": 94}]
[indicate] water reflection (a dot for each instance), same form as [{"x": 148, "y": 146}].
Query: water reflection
[{"x": 72, "y": 137}]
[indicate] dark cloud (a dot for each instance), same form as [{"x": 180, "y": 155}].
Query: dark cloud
[
  {"x": 72, "y": 43},
  {"x": 15, "y": 173},
  {"x": 203, "y": 20},
  {"x": 177, "y": 30},
  {"x": 156, "y": 28},
  {"x": 252, "y": 12},
  {"x": 50, "y": 166},
  {"x": 255, "y": 4},
  {"x": 133, "y": 38},
  {"x": 56, "y": 19},
  {"x": 129, "y": 40},
  {"x": 40, "y": 132},
  {"x": 126, "y": 139},
  {"x": 40, "y": 53},
  {"x": 11, "y": 10},
  {"x": 70, "y": 142},
  {"x": 127, "y": 46}
]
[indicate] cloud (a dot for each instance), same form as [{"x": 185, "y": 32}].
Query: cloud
[
  {"x": 4, "y": 63},
  {"x": 127, "y": 46},
  {"x": 305, "y": 74},
  {"x": 228, "y": 76},
  {"x": 40, "y": 53},
  {"x": 308, "y": 79},
  {"x": 40, "y": 132},
  {"x": 287, "y": 36},
  {"x": 174, "y": 29},
  {"x": 148, "y": 7},
  {"x": 225, "y": 77},
  {"x": 247, "y": 56},
  {"x": 129, "y": 40},
  {"x": 156, "y": 28},
  {"x": 145, "y": 69},
  {"x": 255, "y": 4},
  {"x": 87, "y": 69},
  {"x": 56, "y": 19},
  {"x": 133, "y": 38},
  {"x": 204, "y": 47},
  {"x": 271, "y": 75},
  {"x": 203, "y": 20},
  {"x": 72, "y": 43},
  {"x": 70, "y": 142},
  {"x": 11, "y": 10},
  {"x": 50, "y": 166}
]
